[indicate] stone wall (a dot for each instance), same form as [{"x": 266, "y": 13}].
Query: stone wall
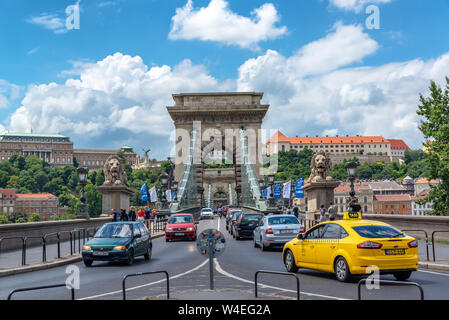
[{"x": 39, "y": 229}]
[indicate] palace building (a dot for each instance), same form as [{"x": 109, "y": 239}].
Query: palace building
[{"x": 338, "y": 145}]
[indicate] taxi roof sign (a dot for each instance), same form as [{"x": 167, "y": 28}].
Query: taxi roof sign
[{"x": 352, "y": 216}]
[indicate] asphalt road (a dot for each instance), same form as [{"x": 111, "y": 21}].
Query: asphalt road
[{"x": 189, "y": 272}]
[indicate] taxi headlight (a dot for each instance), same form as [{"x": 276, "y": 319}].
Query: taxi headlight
[
  {"x": 119, "y": 248},
  {"x": 87, "y": 248}
]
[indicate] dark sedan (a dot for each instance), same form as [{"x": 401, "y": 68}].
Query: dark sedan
[
  {"x": 245, "y": 224},
  {"x": 118, "y": 241}
]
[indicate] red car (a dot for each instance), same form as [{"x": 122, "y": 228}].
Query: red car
[{"x": 180, "y": 226}]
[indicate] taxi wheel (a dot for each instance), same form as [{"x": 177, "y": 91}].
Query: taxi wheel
[
  {"x": 402, "y": 276},
  {"x": 289, "y": 262},
  {"x": 342, "y": 270}
]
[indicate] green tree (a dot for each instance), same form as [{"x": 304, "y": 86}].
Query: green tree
[
  {"x": 3, "y": 218},
  {"x": 4, "y": 178},
  {"x": 34, "y": 217},
  {"x": 435, "y": 126},
  {"x": 93, "y": 200},
  {"x": 21, "y": 220}
]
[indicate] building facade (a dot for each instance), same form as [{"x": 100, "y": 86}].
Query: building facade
[
  {"x": 55, "y": 149},
  {"x": 364, "y": 194},
  {"x": 94, "y": 159},
  {"x": 400, "y": 204},
  {"x": 338, "y": 145},
  {"x": 7, "y": 201},
  {"x": 45, "y": 204}
]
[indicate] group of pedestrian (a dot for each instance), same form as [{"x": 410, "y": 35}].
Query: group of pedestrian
[
  {"x": 144, "y": 214},
  {"x": 354, "y": 206}
]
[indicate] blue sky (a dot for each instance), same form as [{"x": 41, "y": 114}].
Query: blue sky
[{"x": 107, "y": 84}]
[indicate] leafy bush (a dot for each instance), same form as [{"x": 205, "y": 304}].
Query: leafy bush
[
  {"x": 21, "y": 220},
  {"x": 35, "y": 217}
]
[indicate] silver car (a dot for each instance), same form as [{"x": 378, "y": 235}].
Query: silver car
[{"x": 276, "y": 230}]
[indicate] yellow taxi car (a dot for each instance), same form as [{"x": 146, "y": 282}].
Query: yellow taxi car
[{"x": 353, "y": 246}]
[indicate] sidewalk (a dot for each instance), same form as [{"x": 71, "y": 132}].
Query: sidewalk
[{"x": 11, "y": 261}]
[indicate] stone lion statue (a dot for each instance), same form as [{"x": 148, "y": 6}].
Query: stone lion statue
[
  {"x": 321, "y": 166},
  {"x": 114, "y": 174}
]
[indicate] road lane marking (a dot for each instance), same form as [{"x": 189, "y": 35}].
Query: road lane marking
[
  {"x": 227, "y": 274},
  {"x": 432, "y": 272},
  {"x": 145, "y": 285}
]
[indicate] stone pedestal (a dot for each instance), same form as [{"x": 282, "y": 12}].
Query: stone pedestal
[
  {"x": 115, "y": 197},
  {"x": 319, "y": 193}
]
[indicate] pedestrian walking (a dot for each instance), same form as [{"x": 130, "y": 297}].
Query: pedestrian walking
[
  {"x": 354, "y": 206},
  {"x": 132, "y": 214},
  {"x": 141, "y": 215},
  {"x": 332, "y": 211},
  {"x": 115, "y": 215},
  {"x": 147, "y": 216},
  {"x": 123, "y": 215},
  {"x": 323, "y": 213},
  {"x": 296, "y": 211}
]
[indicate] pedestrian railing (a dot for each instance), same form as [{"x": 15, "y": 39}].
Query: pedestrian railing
[
  {"x": 72, "y": 290},
  {"x": 143, "y": 274},
  {"x": 277, "y": 273},
  {"x": 427, "y": 239},
  {"x": 433, "y": 242},
  {"x": 397, "y": 283},
  {"x": 78, "y": 235}
]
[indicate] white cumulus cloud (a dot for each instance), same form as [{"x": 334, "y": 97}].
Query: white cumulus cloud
[
  {"x": 217, "y": 22},
  {"x": 355, "y": 5}
]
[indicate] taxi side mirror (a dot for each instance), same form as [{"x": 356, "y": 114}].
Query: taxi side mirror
[{"x": 300, "y": 236}]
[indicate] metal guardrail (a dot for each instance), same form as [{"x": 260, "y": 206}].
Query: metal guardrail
[
  {"x": 23, "y": 245},
  {"x": 433, "y": 241},
  {"x": 72, "y": 290},
  {"x": 400, "y": 283},
  {"x": 143, "y": 274},
  {"x": 427, "y": 238},
  {"x": 278, "y": 273}
]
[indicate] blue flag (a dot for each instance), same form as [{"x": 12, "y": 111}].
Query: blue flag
[
  {"x": 144, "y": 192},
  {"x": 266, "y": 193},
  {"x": 299, "y": 192},
  {"x": 277, "y": 189}
]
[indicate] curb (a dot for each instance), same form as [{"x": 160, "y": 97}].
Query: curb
[
  {"x": 51, "y": 264},
  {"x": 434, "y": 266}
]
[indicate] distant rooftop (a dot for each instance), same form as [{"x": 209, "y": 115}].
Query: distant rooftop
[{"x": 32, "y": 135}]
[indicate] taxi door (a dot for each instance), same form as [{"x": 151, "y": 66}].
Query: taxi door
[
  {"x": 306, "y": 247},
  {"x": 328, "y": 245}
]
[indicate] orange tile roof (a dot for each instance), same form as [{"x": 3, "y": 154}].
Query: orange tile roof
[
  {"x": 35, "y": 196},
  {"x": 425, "y": 181},
  {"x": 346, "y": 188},
  {"x": 8, "y": 193},
  {"x": 398, "y": 144},
  {"x": 280, "y": 137},
  {"x": 393, "y": 197}
]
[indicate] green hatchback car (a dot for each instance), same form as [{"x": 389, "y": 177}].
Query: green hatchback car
[{"x": 118, "y": 241}]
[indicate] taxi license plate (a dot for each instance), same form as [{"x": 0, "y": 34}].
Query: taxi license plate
[
  {"x": 179, "y": 234},
  {"x": 394, "y": 252},
  {"x": 100, "y": 253}
]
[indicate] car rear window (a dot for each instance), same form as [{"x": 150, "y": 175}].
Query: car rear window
[
  {"x": 378, "y": 232},
  {"x": 251, "y": 218},
  {"x": 282, "y": 220}
]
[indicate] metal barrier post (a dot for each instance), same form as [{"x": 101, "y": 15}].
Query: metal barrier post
[
  {"x": 427, "y": 239},
  {"x": 23, "y": 246},
  {"x": 433, "y": 241},
  {"x": 401, "y": 283},
  {"x": 142, "y": 274},
  {"x": 40, "y": 288},
  {"x": 279, "y": 273}
]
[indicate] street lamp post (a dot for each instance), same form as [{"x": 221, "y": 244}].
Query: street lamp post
[
  {"x": 271, "y": 202},
  {"x": 164, "y": 208},
  {"x": 83, "y": 210},
  {"x": 351, "y": 167},
  {"x": 261, "y": 187}
]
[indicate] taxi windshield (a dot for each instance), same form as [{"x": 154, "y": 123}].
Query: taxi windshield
[{"x": 378, "y": 232}]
